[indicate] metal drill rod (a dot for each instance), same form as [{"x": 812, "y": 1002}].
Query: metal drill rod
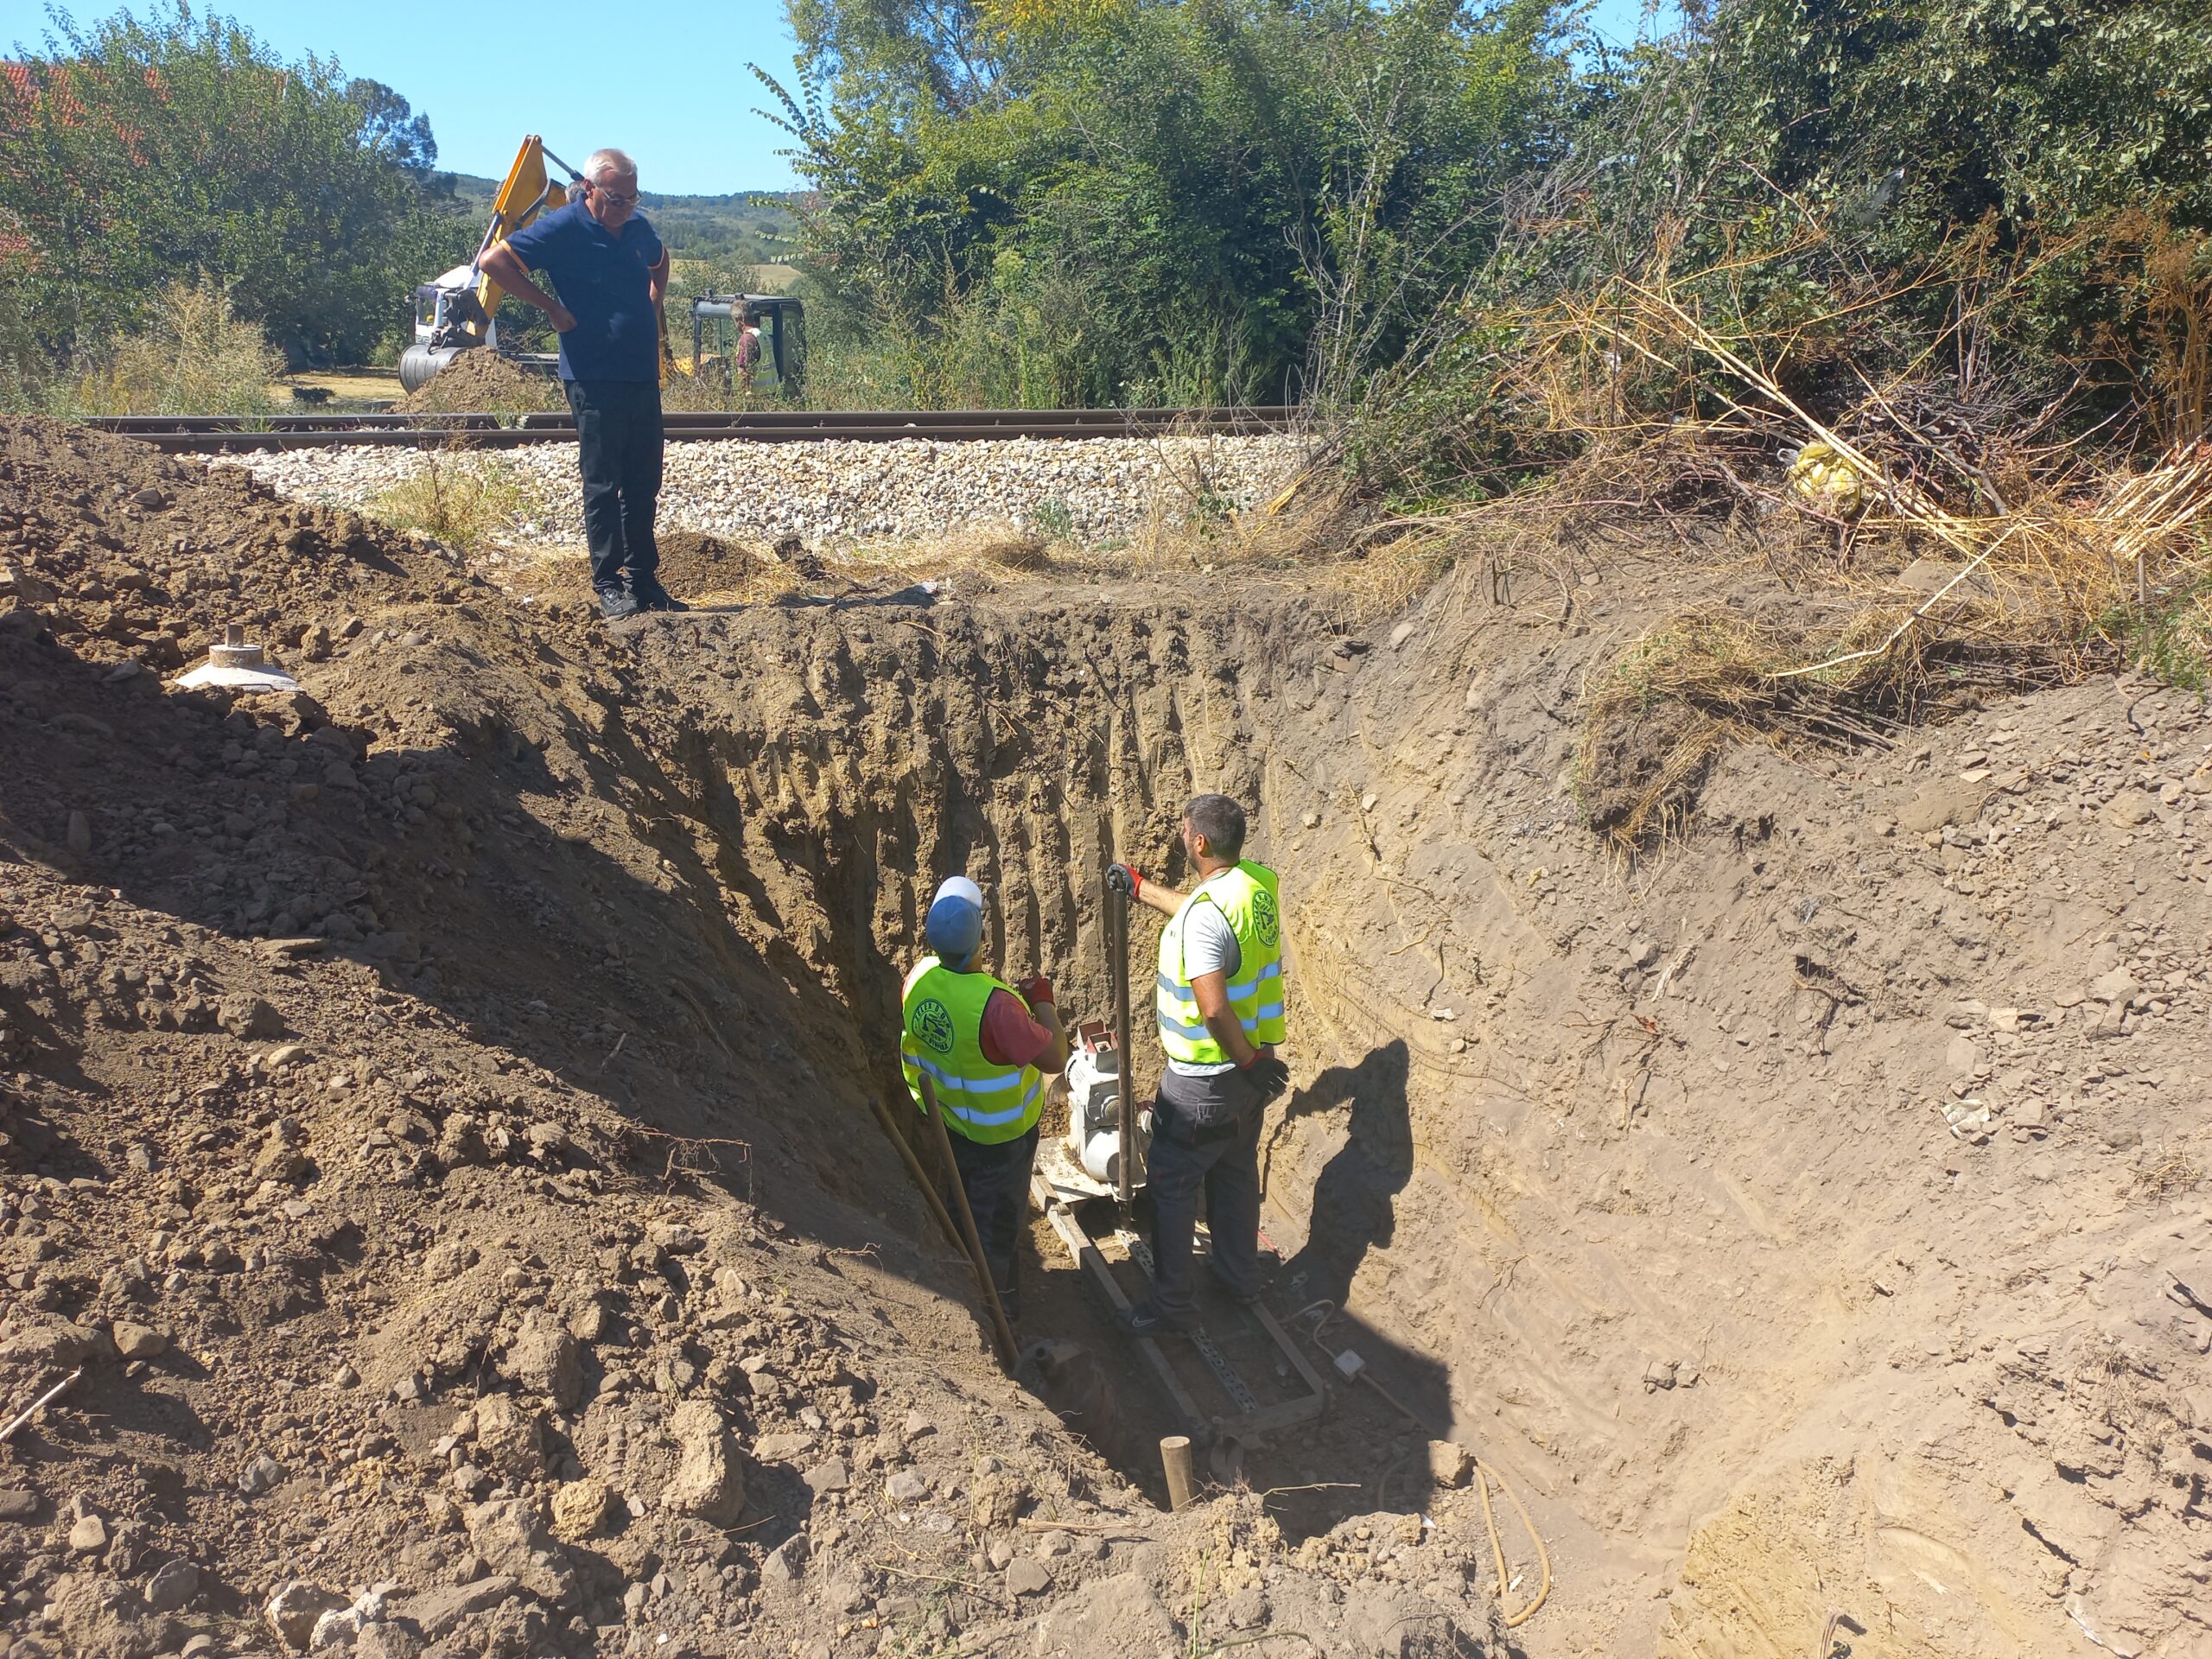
[{"x": 1117, "y": 949}]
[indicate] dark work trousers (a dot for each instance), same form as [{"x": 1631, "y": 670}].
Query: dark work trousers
[
  {"x": 617, "y": 431},
  {"x": 996, "y": 1180},
  {"x": 1221, "y": 1160}
]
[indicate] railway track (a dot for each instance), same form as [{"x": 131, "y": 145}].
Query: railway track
[{"x": 231, "y": 435}]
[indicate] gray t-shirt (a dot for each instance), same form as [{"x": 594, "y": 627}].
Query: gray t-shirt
[{"x": 1209, "y": 946}]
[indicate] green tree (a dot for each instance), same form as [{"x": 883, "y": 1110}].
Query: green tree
[
  {"x": 1122, "y": 200},
  {"x": 137, "y": 152}
]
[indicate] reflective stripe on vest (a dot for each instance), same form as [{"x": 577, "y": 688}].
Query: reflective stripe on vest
[
  {"x": 1246, "y": 896},
  {"x": 943, "y": 1040}
]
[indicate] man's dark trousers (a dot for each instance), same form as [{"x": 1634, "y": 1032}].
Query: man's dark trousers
[
  {"x": 619, "y": 432},
  {"x": 996, "y": 1180},
  {"x": 1220, "y": 1160}
]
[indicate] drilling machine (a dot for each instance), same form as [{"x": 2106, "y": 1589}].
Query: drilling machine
[{"x": 1103, "y": 1154}]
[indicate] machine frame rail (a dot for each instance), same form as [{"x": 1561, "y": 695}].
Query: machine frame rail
[{"x": 1248, "y": 1420}]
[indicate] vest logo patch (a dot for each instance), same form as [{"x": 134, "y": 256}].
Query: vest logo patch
[
  {"x": 933, "y": 1025},
  {"x": 1265, "y": 922}
]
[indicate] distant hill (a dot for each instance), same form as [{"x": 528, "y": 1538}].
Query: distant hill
[{"x": 747, "y": 228}]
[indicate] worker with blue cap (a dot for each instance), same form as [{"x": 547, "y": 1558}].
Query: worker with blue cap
[{"x": 988, "y": 1050}]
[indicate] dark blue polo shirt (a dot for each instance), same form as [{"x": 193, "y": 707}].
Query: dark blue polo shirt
[{"x": 602, "y": 277}]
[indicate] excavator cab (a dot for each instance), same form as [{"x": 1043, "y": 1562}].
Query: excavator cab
[{"x": 775, "y": 362}]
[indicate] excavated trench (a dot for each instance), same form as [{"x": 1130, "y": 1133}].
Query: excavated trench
[
  {"x": 1802, "y": 1220},
  {"x": 836, "y": 770},
  {"x": 827, "y": 770},
  {"x": 1619, "y": 1177}
]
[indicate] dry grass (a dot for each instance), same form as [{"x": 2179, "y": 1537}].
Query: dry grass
[
  {"x": 2050, "y": 558},
  {"x": 1307, "y": 532},
  {"x": 2165, "y": 1172},
  {"x": 1016, "y": 552},
  {"x": 195, "y": 356}
]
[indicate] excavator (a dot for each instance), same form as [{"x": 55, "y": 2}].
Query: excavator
[
  {"x": 456, "y": 312},
  {"x": 453, "y": 313}
]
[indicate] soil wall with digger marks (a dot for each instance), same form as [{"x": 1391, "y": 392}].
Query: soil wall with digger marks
[
  {"x": 1805, "y": 1217},
  {"x": 1791, "y": 1210}
]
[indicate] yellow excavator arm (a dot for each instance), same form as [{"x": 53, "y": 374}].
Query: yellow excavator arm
[
  {"x": 454, "y": 313},
  {"x": 526, "y": 193}
]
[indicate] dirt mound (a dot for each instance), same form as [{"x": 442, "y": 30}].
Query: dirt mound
[
  {"x": 132, "y": 556},
  {"x": 482, "y": 382},
  {"x": 692, "y": 562},
  {"x": 713, "y": 572}
]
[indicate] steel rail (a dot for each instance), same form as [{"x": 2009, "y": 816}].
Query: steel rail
[{"x": 229, "y": 434}]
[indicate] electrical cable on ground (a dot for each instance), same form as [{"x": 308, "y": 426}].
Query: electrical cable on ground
[{"x": 1484, "y": 1475}]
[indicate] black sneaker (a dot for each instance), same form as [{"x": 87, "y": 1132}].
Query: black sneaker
[
  {"x": 651, "y": 596},
  {"x": 616, "y": 606},
  {"x": 1146, "y": 1321}
]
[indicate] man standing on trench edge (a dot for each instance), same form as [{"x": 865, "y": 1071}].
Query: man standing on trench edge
[
  {"x": 1219, "y": 1003},
  {"x": 988, "y": 1050},
  {"x": 611, "y": 271}
]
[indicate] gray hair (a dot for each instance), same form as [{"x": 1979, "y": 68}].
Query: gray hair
[{"x": 609, "y": 163}]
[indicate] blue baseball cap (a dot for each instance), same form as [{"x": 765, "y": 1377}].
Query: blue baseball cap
[{"x": 954, "y": 924}]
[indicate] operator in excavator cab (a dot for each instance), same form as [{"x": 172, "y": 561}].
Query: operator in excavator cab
[
  {"x": 989, "y": 1049},
  {"x": 1219, "y": 1004}
]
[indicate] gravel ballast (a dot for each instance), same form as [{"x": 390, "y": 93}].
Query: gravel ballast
[{"x": 1096, "y": 490}]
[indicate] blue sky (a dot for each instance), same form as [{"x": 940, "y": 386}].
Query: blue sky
[{"x": 673, "y": 89}]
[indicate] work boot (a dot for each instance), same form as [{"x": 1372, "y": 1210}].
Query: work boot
[
  {"x": 617, "y": 603},
  {"x": 1147, "y": 1320},
  {"x": 651, "y": 596},
  {"x": 1241, "y": 1298}
]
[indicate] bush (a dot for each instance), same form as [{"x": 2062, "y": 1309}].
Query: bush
[
  {"x": 196, "y": 356},
  {"x": 1100, "y": 203},
  {"x": 138, "y": 148}
]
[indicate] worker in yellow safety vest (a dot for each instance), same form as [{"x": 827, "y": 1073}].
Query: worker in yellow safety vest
[
  {"x": 990, "y": 1050},
  {"x": 1219, "y": 1003}
]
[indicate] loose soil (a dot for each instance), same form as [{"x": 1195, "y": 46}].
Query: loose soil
[
  {"x": 481, "y": 381},
  {"x": 437, "y": 1117}
]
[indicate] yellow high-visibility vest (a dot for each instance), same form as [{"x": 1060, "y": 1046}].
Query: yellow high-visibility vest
[
  {"x": 1246, "y": 895},
  {"x": 943, "y": 1040}
]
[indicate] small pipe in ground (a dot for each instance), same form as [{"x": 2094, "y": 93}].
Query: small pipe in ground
[{"x": 1182, "y": 1475}]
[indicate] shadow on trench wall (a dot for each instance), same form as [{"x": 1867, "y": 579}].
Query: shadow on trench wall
[
  {"x": 1351, "y": 1211},
  {"x": 522, "y": 936},
  {"x": 1354, "y": 1206}
]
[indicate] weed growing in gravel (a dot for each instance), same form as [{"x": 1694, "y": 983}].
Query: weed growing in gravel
[
  {"x": 1053, "y": 520},
  {"x": 462, "y": 503}
]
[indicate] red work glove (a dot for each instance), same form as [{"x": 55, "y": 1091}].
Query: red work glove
[
  {"x": 1124, "y": 878},
  {"x": 1035, "y": 991}
]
